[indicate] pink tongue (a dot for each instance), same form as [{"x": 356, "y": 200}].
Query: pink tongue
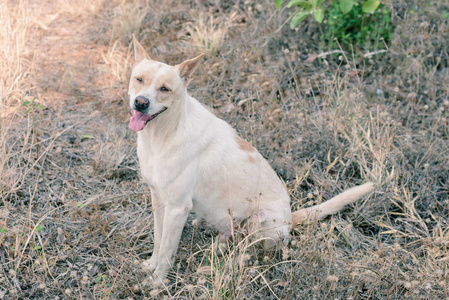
[{"x": 138, "y": 120}]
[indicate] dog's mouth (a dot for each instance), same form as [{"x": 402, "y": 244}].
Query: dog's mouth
[{"x": 139, "y": 120}]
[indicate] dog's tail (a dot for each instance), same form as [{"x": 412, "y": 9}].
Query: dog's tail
[{"x": 331, "y": 206}]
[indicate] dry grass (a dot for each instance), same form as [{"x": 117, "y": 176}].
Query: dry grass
[
  {"x": 75, "y": 219},
  {"x": 207, "y": 33},
  {"x": 15, "y": 24}
]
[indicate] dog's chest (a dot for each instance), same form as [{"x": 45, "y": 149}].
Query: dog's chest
[
  {"x": 160, "y": 164},
  {"x": 147, "y": 162}
]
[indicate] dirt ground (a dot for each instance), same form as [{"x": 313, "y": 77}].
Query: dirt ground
[{"x": 75, "y": 217}]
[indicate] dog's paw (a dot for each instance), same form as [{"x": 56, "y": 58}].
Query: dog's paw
[
  {"x": 160, "y": 276},
  {"x": 152, "y": 282},
  {"x": 223, "y": 246},
  {"x": 150, "y": 264},
  {"x": 155, "y": 280}
]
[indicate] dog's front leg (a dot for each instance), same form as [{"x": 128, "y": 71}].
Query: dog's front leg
[
  {"x": 175, "y": 217},
  {"x": 158, "y": 215}
]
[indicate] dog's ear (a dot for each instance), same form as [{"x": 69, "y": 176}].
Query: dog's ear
[
  {"x": 187, "y": 67},
  {"x": 139, "y": 51}
]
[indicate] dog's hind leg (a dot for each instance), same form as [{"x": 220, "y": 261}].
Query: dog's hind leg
[
  {"x": 222, "y": 241},
  {"x": 270, "y": 227}
]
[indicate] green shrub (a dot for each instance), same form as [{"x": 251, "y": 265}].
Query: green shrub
[
  {"x": 358, "y": 28},
  {"x": 365, "y": 23}
]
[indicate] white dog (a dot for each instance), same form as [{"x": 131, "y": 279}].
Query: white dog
[{"x": 194, "y": 161}]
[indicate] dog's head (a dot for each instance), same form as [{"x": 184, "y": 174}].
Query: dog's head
[{"x": 155, "y": 88}]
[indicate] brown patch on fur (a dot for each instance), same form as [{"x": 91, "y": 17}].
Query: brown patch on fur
[
  {"x": 251, "y": 159},
  {"x": 244, "y": 145}
]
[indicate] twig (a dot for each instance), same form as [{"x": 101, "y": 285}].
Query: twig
[
  {"x": 369, "y": 54},
  {"x": 329, "y": 53}
]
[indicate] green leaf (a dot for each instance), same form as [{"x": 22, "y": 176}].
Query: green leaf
[
  {"x": 319, "y": 15},
  {"x": 297, "y": 3},
  {"x": 37, "y": 247},
  {"x": 40, "y": 107},
  {"x": 370, "y": 6},
  {"x": 26, "y": 103},
  {"x": 278, "y": 4},
  {"x": 38, "y": 228},
  {"x": 86, "y": 137},
  {"x": 298, "y": 18},
  {"x": 314, "y": 3},
  {"x": 346, "y": 6},
  {"x": 81, "y": 205},
  {"x": 2, "y": 230}
]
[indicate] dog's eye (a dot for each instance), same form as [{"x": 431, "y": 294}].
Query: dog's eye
[
  {"x": 139, "y": 79},
  {"x": 164, "y": 89}
]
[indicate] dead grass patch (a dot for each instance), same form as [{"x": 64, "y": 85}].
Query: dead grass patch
[
  {"x": 207, "y": 33},
  {"x": 15, "y": 25}
]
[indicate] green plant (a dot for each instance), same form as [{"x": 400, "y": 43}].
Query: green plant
[
  {"x": 32, "y": 105},
  {"x": 102, "y": 280},
  {"x": 357, "y": 27},
  {"x": 317, "y": 8},
  {"x": 103, "y": 286},
  {"x": 349, "y": 21}
]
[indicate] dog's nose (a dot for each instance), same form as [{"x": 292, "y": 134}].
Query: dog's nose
[{"x": 141, "y": 103}]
